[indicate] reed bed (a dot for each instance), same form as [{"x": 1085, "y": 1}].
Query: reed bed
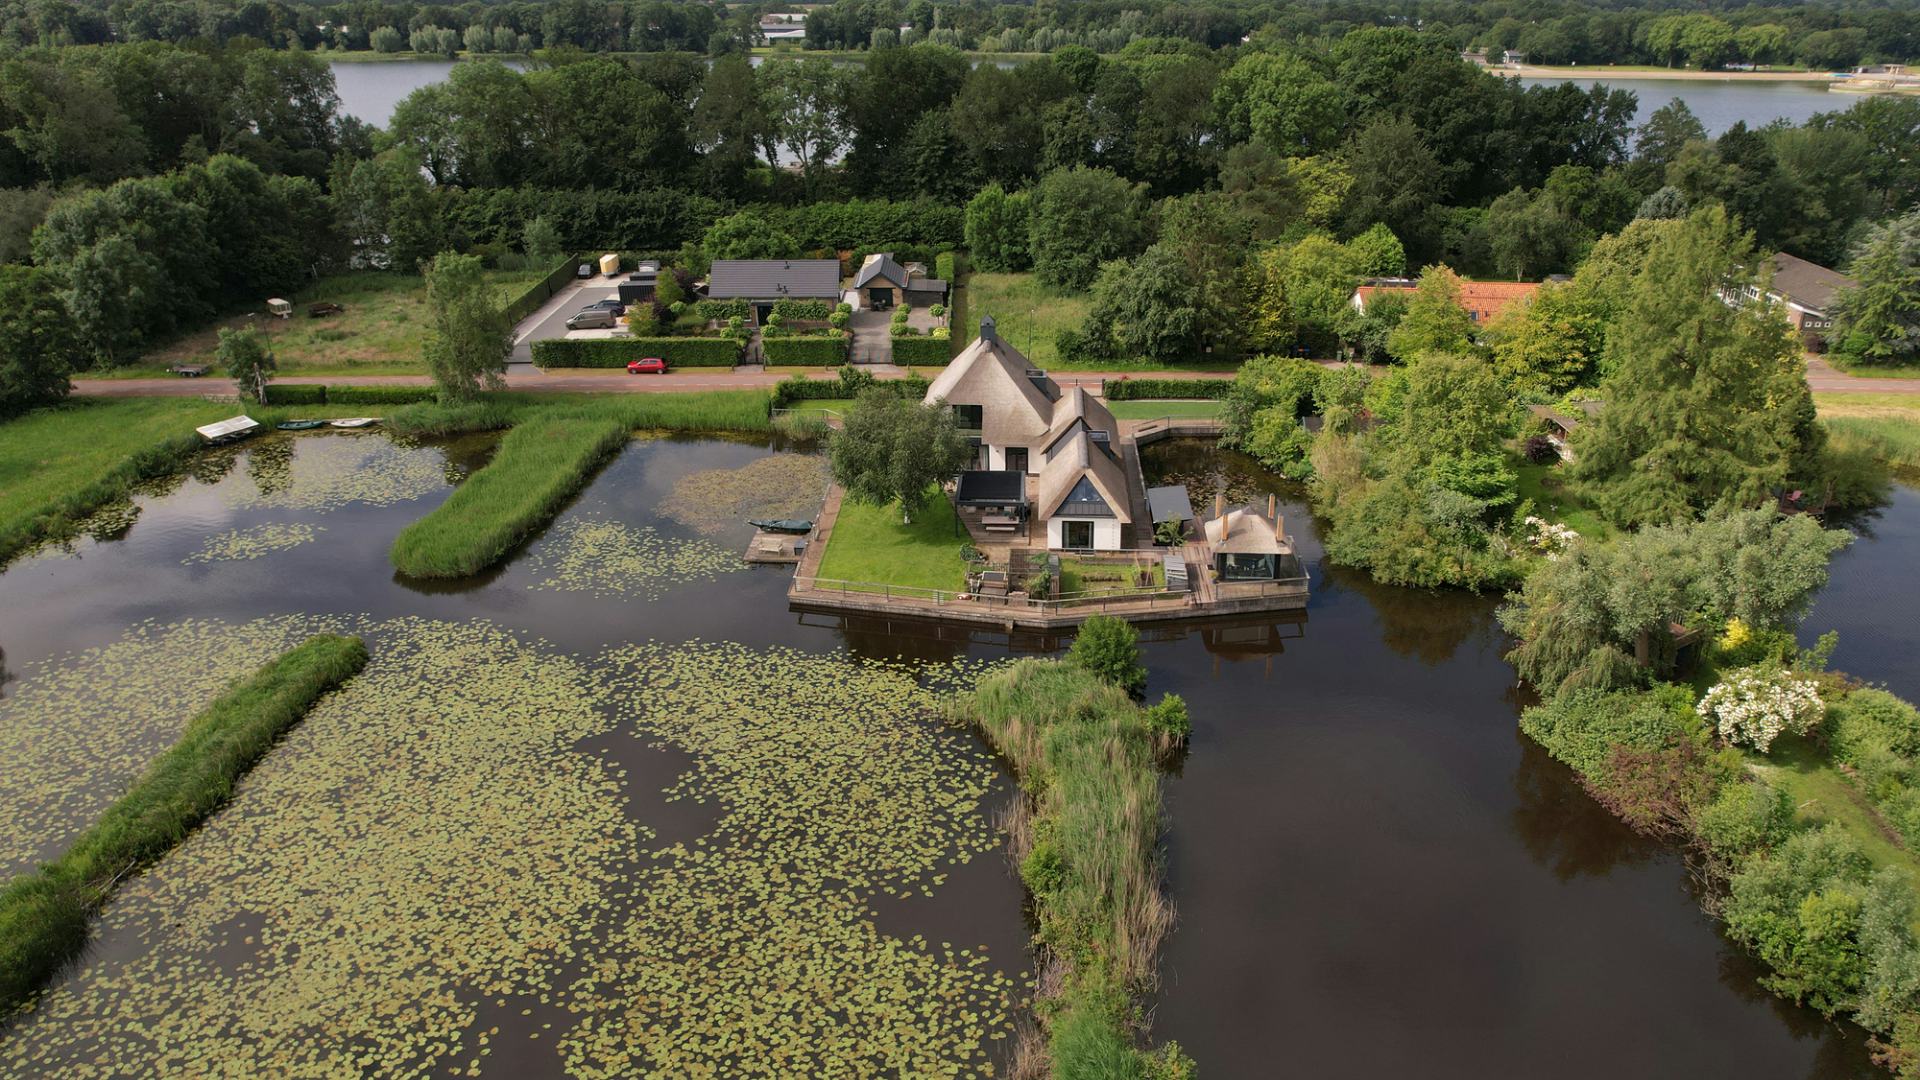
[
  {"x": 44, "y": 915},
  {"x": 540, "y": 464},
  {"x": 1087, "y": 841}
]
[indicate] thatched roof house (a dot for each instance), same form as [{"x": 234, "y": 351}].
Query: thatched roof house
[
  {"x": 1000, "y": 399},
  {"x": 1251, "y": 546}
]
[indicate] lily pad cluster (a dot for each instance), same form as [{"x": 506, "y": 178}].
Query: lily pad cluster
[
  {"x": 715, "y": 501},
  {"x": 752, "y": 951},
  {"x": 604, "y": 557},
  {"x": 254, "y": 542},
  {"x": 426, "y": 839},
  {"x": 329, "y": 471},
  {"x": 452, "y": 844},
  {"x": 75, "y": 732}
]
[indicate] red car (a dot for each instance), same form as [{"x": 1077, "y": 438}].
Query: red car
[{"x": 652, "y": 365}]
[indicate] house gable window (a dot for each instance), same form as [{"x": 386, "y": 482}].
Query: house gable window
[
  {"x": 1084, "y": 501},
  {"x": 968, "y": 417}
]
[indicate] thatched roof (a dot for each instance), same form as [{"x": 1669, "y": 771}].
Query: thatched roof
[
  {"x": 993, "y": 375},
  {"x": 1078, "y": 459},
  {"x": 1077, "y": 404},
  {"x": 1246, "y": 531}
]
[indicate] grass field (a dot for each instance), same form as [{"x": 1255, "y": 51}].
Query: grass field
[
  {"x": 1025, "y": 313},
  {"x": 44, "y": 915},
  {"x": 380, "y": 332},
  {"x": 60, "y": 464},
  {"x": 1151, "y": 409},
  {"x": 1887, "y": 424},
  {"x": 1870, "y": 371},
  {"x": 870, "y": 544},
  {"x": 1822, "y": 793}
]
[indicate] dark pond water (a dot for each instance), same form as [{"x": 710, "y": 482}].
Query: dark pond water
[{"x": 1375, "y": 873}]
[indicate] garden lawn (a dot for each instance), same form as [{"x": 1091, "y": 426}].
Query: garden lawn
[
  {"x": 1085, "y": 576},
  {"x": 1546, "y": 485},
  {"x": 869, "y": 544},
  {"x": 1821, "y": 793},
  {"x": 1153, "y": 410},
  {"x": 381, "y": 332},
  {"x": 1887, "y": 424},
  {"x": 1877, "y": 371}
]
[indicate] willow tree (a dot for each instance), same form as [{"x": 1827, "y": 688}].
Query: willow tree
[
  {"x": 1707, "y": 399},
  {"x": 895, "y": 450}
]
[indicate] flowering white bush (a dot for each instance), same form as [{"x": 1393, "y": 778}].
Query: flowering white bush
[
  {"x": 1754, "y": 705},
  {"x": 1549, "y": 538}
]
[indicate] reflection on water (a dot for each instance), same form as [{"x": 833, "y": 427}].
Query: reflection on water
[{"x": 1564, "y": 828}]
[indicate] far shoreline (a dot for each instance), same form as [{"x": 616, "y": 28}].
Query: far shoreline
[{"x": 1628, "y": 71}]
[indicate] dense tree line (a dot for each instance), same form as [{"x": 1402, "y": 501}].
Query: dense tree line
[{"x": 1546, "y": 31}]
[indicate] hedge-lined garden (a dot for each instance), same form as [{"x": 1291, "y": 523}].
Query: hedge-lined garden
[
  {"x": 618, "y": 352},
  {"x": 44, "y": 915}
]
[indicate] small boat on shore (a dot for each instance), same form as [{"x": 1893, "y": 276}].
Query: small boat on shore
[
  {"x": 782, "y": 525},
  {"x": 355, "y": 422},
  {"x": 300, "y": 425}
]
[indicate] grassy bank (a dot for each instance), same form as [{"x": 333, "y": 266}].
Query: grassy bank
[
  {"x": 1026, "y": 313},
  {"x": 1154, "y": 409},
  {"x": 706, "y": 410},
  {"x": 44, "y": 916},
  {"x": 540, "y": 464},
  {"x": 1087, "y": 839},
  {"x": 58, "y": 465},
  {"x": 871, "y": 544}
]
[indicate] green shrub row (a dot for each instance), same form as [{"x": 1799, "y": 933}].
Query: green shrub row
[
  {"x": 541, "y": 291},
  {"x": 946, "y": 267},
  {"x": 805, "y": 351},
  {"x": 539, "y": 465},
  {"x": 44, "y": 915},
  {"x": 723, "y": 309},
  {"x": 617, "y": 352},
  {"x": 802, "y": 309},
  {"x": 703, "y": 410},
  {"x": 1156, "y": 389},
  {"x": 851, "y": 382},
  {"x": 863, "y": 225},
  {"x": 317, "y": 394},
  {"x": 932, "y": 352}
]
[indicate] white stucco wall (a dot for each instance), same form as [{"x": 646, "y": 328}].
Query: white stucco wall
[
  {"x": 1106, "y": 533},
  {"x": 997, "y": 459}
]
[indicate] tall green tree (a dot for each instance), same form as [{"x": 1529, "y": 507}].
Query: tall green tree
[
  {"x": 1704, "y": 397},
  {"x": 1080, "y": 219},
  {"x": 1281, "y": 101},
  {"x": 1435, "y": 321},
  {"x": 996, "y": 230},
  {"x": 247, "y": 360},
  {"x": 468, "y": 342},
  {"x": 1878, "y": 320},
  {"x": 38, "y": 346},
  {"x": 895, "y": 450},
  {"x": 1551, "y": 343}
]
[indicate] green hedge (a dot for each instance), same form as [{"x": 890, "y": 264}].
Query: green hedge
[
  {"x": 722, "y": 309},
  {"x": 945, "y": 268},
  {"x": 908, "y": 351},
  {"x": 316, "y": 394},
  {"x": 800, "y": 388},
  {"x": 1156, "y": 389},
  {"x": 540, "y": 291},
  {"x": 617, "y": 352},
  {"x": 296, "y": 394},
  {"x": 44, "y": 914},
  {"x": 805, "y": 351},
  {"x": 802, "y": 309}
]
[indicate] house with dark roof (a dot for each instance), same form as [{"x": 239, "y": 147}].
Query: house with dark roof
[
  {"x": 765, "y": 282},
  {"x": 883, "y": 283},
  {"x": 1806, "y": 291},
  {"x": 1021, "y": 423}
]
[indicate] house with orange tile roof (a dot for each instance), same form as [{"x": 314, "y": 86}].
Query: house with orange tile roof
[{"x": 1482, "y": 299}]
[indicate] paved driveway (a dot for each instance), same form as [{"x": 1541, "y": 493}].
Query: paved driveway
[
  {"x": 550, "y": 321},
  {"x": 872, "y": 340}
]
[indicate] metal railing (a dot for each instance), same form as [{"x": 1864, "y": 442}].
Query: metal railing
[{"x": 1099, "y": 601}]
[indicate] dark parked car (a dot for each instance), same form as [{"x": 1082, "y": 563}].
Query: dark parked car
[
  {"x": 618, "y": 307},
  {"x": 593, "y": 318}
]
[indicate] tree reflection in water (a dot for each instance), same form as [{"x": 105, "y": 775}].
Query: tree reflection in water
[{"x": 1562, "y": 827}]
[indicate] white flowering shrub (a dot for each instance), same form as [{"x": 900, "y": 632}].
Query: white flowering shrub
[
  {"x": 1549, "y": 538},
  {"x": 1752, "y": 706}
]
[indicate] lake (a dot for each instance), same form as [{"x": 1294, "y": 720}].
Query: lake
[
  {"x": 371, "y": 90},
  {"x": 614, "y": 802}
]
